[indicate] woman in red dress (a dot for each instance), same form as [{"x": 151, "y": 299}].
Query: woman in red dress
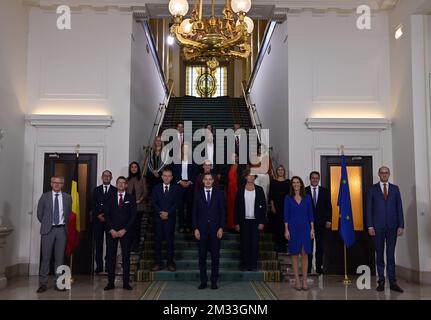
[{"x": 234, "y": 180}]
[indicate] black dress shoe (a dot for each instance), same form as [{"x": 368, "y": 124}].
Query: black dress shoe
[
  {"x": 381, "y": 287},
  {"x": 41, "y": 289},
  {"x": 97, "y": 271},
  {"x": 395, "y": 287},
  {"x": 319, "y": 271},
  {"x": 202, "y": 286},
  {"x": 127, "y": 287},
  {"x": 109, "y": 287},
  {"x": 172, "y": 268},
  {"x": 214, "y": 286}
]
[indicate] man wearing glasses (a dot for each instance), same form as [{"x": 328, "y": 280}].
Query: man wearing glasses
[
  {"x": 53, "y": 211},
  {"x": 385, "y": 222}
]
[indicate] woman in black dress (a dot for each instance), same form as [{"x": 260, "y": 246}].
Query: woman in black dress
[{"x": 278, "y": 190}]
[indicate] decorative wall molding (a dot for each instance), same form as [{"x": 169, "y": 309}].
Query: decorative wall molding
[
  {"x": 69, "y": 120},
  {"x": 348, "y": 123}
]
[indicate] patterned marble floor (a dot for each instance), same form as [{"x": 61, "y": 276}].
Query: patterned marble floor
[{"x": 325, "y": 288}]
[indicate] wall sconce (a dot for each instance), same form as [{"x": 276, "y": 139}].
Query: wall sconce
[{"x": 399, "y": 32}]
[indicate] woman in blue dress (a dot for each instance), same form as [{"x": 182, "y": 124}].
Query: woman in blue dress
[{"x": 299, "y": 228}]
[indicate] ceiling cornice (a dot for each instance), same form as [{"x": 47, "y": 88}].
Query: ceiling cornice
[{"x": 291, "y": 5}]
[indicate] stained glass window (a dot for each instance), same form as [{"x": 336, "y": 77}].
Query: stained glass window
[{"x": 202, "y": 82}]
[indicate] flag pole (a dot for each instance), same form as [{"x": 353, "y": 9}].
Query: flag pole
[
  {"x": 72, "y": 280},
  {"x": 346, "y": 280}
]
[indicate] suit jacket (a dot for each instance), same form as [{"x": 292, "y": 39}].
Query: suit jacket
[
  {"x": 214, "y": 214},
  {"x": 120, "y": 218},
  {"x": 259, "y": 206},
  {"x": 168, "y": 203},
  {"x": 192, "y": 172},
  {"x": 45, "y": 210},
  {"x": 322, "y": 211},
  {"x": 384, "y": 214},
  {"x": 100, "y": 199}
]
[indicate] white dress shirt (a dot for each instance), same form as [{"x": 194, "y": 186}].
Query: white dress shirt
[
  {"x": 184, "y": 171},
  {"x": 60, "y": 206},
  {"x": 106, "y": 188},
  {"x": 312, "y": 193},
  {"x": 382, "y": 187},
  {"x": 210, "y": 152},
  {"x": 118, "y": 197},
  {"x": 164, "y": 187},
  {"x": 206, "y": 193},
  {"x": 249, "y": 197}
]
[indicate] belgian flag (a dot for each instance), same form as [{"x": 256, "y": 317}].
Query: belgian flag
[{"x": 74, "y": 225}]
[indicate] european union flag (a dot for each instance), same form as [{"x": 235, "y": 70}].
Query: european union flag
[{"x": 345, "y": 227}]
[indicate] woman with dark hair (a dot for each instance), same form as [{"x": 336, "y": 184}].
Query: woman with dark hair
[
  {"x": 278, "y": 190},
  {"x": 136, "y": 185},
  {"x": 250, "y": 210},
  {"x": 299, "y": 228},
  {"x": 156, "y": 164}
]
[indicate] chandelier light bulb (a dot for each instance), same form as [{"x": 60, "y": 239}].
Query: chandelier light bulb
[
  {"x": 178, "y": 7},
  {"x": 186, "y": 26},
  {"x": 249, "y": 22},
  {"x": 241, "y": 6}
]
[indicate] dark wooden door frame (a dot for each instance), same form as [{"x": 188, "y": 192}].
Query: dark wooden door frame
[
  {"x": 362, "y": 253},
  {"x": 83, "y": 258}
]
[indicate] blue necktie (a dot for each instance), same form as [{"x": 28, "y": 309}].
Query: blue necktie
[
  {"x": 208, "y": 197},
  {"x": 56, "y": 210}
]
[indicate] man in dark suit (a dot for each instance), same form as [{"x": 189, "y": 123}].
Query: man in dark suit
[
  {"x": 120, "y": 215},
  {"x": 166, "y": 198},
  {"x": 53, "y": 211},
  {"x": 385, "y": 222},
  {"x": 101, "y": 194},
  {"x": 322, "y": 211},
  {"x": 209, "y": 216},
  {"x": 185, "y": 175}
]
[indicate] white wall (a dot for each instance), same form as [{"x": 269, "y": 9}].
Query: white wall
[
  {"x": 83, "y": 71},
  {"x": 13, "y": 53},
  {"x": 410, "y": 146},
  {"x": 147, "y": 92},
  {"x": 336, "y": 71},
  {"x": 270, "y": 94}
]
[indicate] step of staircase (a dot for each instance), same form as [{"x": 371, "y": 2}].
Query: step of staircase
[{"x": 193, "y": 275}]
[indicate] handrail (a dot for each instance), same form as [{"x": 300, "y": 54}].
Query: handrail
[
  {"x": 158, "y": 121},
  {"x": 255, "y": 119}
]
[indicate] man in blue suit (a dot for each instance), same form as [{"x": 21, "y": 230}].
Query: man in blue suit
[
  {"x": 208, "y": 221},
  {"x": 120, "y": 216},
  {"x": 101, "y": 195},
  {"x": 166, "y": 198},
  {"x": 385, "y": 222}
]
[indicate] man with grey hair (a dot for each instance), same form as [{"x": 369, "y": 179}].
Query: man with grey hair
[
  {"x": 385, "y": 222},
  {"x": 53, "y": 211}
]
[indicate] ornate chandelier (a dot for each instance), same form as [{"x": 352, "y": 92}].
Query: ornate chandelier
[{"x": 214, "y": 39}]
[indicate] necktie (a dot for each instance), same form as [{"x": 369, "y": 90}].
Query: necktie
[
  {"x": 385, "y": 191},
  {"x": 106, "y": 189},
  {"x": 166, "y": 190},
  {"x": 56, "y": 210},
  {"x": 314, "y": 196},
  {"x": 120, "y": 203},
  {"x": 208, "y": 197},
  {"x": 237, "y": 140}
]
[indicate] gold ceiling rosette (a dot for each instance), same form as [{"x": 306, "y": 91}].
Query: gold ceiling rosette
[{"x": 212, "y": 39}]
